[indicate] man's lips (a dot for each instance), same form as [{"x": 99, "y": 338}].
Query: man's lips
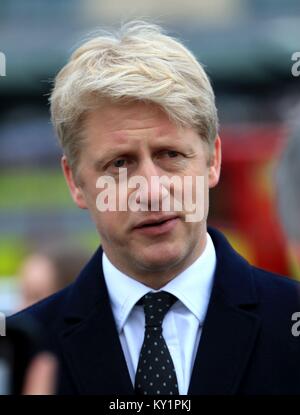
[
  {"x": 157, "y": 226},
  {"x": 155, "y": 221}
]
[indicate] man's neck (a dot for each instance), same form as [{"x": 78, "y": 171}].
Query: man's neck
[{"x": 160, "y": 277}]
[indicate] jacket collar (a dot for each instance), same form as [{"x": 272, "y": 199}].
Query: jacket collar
[
  {"x": 233, "y": 276},
  {"x": 230, "y": 327},
  {"x": 93, "y": 350}
]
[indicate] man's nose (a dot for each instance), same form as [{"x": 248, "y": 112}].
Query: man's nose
[{"x": 154, "y": 192}]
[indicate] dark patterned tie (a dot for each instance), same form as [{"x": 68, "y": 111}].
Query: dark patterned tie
[{"x": 155, "y": 373}]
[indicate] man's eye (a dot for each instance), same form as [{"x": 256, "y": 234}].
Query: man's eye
[
  {"x": 119, "y": 163},
  {"x": 172, "y": 153}
]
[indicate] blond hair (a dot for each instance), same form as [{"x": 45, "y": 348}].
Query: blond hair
[{"x": 139, "y": 62}]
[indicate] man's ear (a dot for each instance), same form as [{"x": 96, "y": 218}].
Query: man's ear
[
  {"x": 215, "y": 164},
  {"x": 75, "y": 189}
]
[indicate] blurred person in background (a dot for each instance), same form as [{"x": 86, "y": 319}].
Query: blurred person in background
[
  {"x": 48, "y": 270},
  {"x": 288, "y": 193},
  {"x": 43, "y": 272},
  {"x": 41, "y": 376},
  {"x": 165, "y": 305}
]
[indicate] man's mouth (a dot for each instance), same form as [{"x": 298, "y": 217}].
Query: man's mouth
[{"x": 157, "y": 226}]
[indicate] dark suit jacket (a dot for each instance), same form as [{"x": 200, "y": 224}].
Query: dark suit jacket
[{"x": 246, "y": 346}]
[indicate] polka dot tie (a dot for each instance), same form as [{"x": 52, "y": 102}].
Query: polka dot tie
[{"x": 155, "y": 373}]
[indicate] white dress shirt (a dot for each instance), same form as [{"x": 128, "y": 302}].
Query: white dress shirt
[{"x": 182, "y": 324}]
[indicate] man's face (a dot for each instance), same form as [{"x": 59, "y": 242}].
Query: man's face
[{"x": 140, "y": 137}]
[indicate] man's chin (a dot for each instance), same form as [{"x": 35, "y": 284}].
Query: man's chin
[{"x": 159, "y": 261}]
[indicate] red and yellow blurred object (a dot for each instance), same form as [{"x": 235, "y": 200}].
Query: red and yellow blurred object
[{"x": 243, "y": 205}]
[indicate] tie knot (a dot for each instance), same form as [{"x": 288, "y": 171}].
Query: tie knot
[{"x": 156, "y": 305}]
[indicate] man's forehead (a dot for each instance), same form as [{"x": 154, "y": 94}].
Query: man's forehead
[{"x": 122, "y": 129}]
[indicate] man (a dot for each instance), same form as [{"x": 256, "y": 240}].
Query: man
[{"x": 163, "y": 307}]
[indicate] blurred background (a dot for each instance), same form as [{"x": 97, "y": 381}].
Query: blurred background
[{"x": 246, "y": 47}]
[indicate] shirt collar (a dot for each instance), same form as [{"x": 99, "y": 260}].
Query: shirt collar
[{"x": 192, "y": 286}]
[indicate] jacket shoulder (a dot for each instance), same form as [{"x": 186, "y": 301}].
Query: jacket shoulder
[
  {"x": 269, "y": 279},
  {"x": 277, "y": 290},
  {"x": 46, "y": 312}
]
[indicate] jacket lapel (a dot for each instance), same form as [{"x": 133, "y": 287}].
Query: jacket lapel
[
  {"x": 230, "y": 327},
  {"x": 90, "y": 340},
  {"x": 94, "y": 354}
]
